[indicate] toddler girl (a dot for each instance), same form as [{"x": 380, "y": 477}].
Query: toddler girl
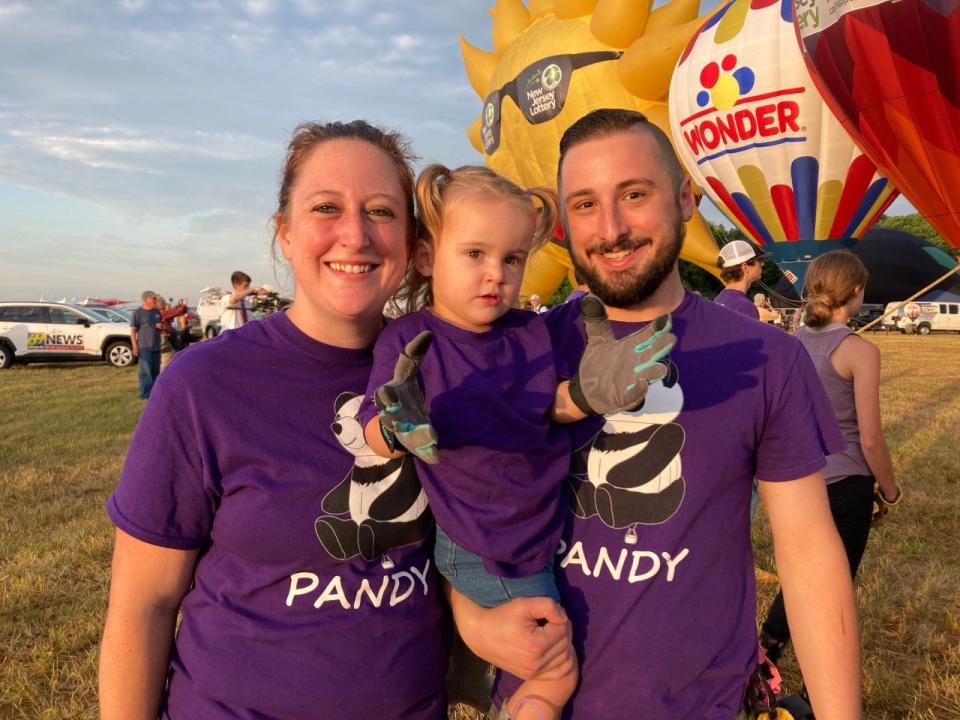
[{"x": 493, "y": 471}]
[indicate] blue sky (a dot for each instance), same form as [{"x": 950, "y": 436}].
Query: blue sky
[{"x": 140, "y": 140}]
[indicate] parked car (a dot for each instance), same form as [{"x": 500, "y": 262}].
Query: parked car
[
  {"x": 60, "y": 332},
  {"x": 868, "y": 313},
  {"x": 111, "y": 314}
]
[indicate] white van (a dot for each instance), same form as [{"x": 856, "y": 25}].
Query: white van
[
  {"x": 209, "y": 310},
  {"x": 924, "y": 317}
]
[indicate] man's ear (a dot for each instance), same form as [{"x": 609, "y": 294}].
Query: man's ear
[
  {"x": 686, "y": 200},
  {"x": 423, "y": 256},
  {"x": 280, "y": 230}
]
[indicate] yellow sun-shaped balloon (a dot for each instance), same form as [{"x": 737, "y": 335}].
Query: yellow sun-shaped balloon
[{"x": 552, "y": 63}]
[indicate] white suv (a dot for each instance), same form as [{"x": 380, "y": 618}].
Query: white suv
[{"x": 60, "y": 332}]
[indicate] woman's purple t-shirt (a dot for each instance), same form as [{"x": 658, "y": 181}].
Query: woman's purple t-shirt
[
  {"x": 656, "y": 570},
  {"x": 236, "y": 455},
  {"x": 497, "y": 488}
]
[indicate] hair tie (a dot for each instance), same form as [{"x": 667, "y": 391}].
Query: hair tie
[{"x": 443, "y": 177}]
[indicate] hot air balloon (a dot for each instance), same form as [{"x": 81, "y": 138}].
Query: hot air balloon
[
  {"x": 755, "y": 134},
  {"x": 891, "y": 72},
  {"x": 553, "y": 63}
]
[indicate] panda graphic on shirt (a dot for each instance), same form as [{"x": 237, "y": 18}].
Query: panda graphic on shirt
[
  {"x": 629, "y": 473},
  {"x": 379, "y": 505}
]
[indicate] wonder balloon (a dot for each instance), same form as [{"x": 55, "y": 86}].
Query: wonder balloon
[
  {"x": 891, "y": 71},
  {"x": 553, "y": 63},
  {"x": 756, "y": 135}
]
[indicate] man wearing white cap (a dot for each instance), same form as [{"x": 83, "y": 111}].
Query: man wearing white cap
[{"x": 741, "y": 264}]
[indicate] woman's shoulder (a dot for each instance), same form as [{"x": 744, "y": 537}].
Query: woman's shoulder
[{"x": 856, "y": 354}]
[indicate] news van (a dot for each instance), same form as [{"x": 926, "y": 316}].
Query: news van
[{"x": 923, "y": 317}]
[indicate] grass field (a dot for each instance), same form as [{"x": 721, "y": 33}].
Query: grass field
[{"x": 64, "y": 430}]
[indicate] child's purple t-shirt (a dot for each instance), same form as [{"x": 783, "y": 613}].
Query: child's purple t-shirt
[
  {"x": 657, "y": 576},
  {"x": 497, "y": 488},
  {"x": 738, "y": 302},
  {"x": 241, "y": 443}
]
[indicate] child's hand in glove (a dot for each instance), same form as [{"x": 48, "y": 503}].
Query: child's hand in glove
[
  {"x": 614, "y": 374},
  {"x": 403, "y": 414}
]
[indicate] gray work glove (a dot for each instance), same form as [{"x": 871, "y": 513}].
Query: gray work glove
[
  {"x": 403, "y": 413},
  {"x": 614, "y": 374}
]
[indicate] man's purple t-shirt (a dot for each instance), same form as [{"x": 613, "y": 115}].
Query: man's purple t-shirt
[
  {"x": 248, "y": 451},
  {"x": 497, "y": 488},
  {"x": 738, "y": 302},
  {"x": 656, "y": 572}
]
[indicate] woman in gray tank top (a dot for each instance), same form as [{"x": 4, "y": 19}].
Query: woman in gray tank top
[{"x": 849, "y": 367}]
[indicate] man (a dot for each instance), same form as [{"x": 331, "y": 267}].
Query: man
[
  {"x": 741, "y": 264},
  {"x": 656, "y": 568},
  {"x": 145, "y": 327},
  {"x": 234, "y": 312}
]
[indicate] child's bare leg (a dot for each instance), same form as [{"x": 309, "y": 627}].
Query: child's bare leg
[{"x": 542, "y": 699}]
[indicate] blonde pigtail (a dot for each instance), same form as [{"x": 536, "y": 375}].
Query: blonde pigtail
[{"x": 548, "y": 215}]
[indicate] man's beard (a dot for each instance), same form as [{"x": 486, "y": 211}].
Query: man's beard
[{"x": 631, "y": 286}]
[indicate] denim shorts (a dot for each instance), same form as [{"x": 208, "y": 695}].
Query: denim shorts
[{"x": 465, "y": 572}]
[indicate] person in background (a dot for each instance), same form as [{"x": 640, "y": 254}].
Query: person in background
[
  {"x": 536, "y": 305},
  {"x": 169, "y": 334},
  {"x": 741, "y": 264},
  {"x": 765, "y": 310},
  {"x": 182, "y": 324},
  {"x": 251, "y": 443},
  {"x": 234, "y": 312},
  {"x": 145, "y": 327},
  {"x": 849, "y": 367}
]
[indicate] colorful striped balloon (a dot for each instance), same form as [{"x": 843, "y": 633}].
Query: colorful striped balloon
[
  {"x": 755, "y": 134},
  {"x": 891, "y": 71}
]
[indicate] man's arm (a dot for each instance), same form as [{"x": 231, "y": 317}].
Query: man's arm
[
  {"x": 134, "y": 343},
  {"x": 238, "y": 294},
  {"x": 818, "y": 593}
]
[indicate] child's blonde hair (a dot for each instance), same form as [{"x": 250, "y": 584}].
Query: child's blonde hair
[
  {"x": 437, "y": 186},
  {"x": 832, "y": 280}
]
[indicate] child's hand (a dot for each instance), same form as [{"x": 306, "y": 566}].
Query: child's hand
[
  {"x": 614, "y": 374},
  {"x": 403, "y": 414}
]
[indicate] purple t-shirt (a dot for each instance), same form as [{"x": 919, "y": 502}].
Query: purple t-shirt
[
  {"x": 656, "y": 572},
  {"x": 738, "y": 302},
  {"x": 497, "y": 488},
  {"x": 303, "y": 604}
]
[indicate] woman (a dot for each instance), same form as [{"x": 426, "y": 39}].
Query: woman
[
  {"x": 849, "y": 367},
  {"x": 249, "y": 503}
]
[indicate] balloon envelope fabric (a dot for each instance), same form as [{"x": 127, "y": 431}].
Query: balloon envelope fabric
[
  {"x": 756, "y": 135},
  {"x": 891, "y": 71}
]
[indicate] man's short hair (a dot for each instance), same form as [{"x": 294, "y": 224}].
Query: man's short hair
[
  {"x": 731, "y": 274},
  {"x": 239, "y": 278},
  {"x": 147, "y": 294},
  {"x": 608, "y": 121}
]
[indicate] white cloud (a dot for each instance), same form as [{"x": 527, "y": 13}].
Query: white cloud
[
  {"x": 259, "y": 8},
  {"x": 406, "y": 41},
  {"x": 134, "y": 6},
  {"x": 383, "y": 19},
  {"x": 9, "y": 10}
]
